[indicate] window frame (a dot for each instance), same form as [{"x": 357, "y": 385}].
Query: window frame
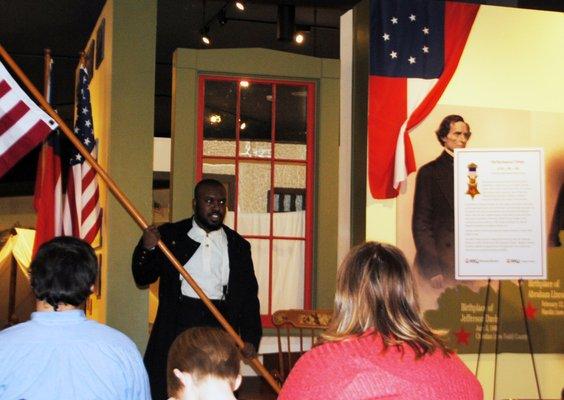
[{"x": 309, "y": 164}]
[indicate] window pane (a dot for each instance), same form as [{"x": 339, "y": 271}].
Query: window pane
[
  {"x": 287, "y": 274},
  {"x": 254, "y": 184},
  {"x": 291, "y": 121},
  {"x": 256, "y": 116},
  {"x": 289, "y": 200},
  {"x": 260, "y": 253},
  {"x": 220, "y": 102}
]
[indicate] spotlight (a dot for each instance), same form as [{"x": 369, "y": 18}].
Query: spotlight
[
  {"x": 299, "y": 37},
  {"x": 205, "y": 35},
  {"x": 240, "y": 5}
]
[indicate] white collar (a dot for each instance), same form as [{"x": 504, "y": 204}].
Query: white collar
[{"x": 198, "y": 233}]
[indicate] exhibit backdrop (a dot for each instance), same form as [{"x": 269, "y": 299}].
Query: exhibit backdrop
[{"x": 510, "y": 89}]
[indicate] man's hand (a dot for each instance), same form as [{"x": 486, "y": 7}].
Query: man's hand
[
  {"x": 249, "y": 351},
  {"x": 151, "y": 236},
  {"x": 437, "y": 281}
]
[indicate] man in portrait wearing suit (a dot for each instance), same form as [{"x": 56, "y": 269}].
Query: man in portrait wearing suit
[
  {"x": 218, "y": 259},
  {"x": 433, "y": 206}
]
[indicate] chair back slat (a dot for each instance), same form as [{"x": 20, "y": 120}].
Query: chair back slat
[{"x": 303, "y": 324}]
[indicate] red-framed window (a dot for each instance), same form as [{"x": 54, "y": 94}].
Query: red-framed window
[{"x": 257, "y": 137}]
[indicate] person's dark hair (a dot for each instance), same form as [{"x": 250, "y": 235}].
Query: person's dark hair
[
  {"x": 375, "y": 290},
  {"x": 202, "y": 352},
  {"x": 206, "y": 182},
  {"x": 444, "y": 127},
  {"x": 63, "y": 271}
]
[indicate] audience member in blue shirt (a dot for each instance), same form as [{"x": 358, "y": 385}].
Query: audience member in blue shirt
[{"x": 59, "y": 353}]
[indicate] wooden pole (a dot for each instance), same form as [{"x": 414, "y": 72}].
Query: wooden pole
[
  {"x": 137, "y": 217},
  {"x": 13, "y": 288}
]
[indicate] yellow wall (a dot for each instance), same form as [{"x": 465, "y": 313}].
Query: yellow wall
[
  {"x": 16, "y": 211},
  {"x": 122, "y": 92},
  {"x": 510, "y": 87}
]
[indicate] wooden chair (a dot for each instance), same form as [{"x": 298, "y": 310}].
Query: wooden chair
[{"x": 301, "y": 324}]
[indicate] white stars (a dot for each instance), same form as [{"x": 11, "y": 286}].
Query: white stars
[
  {"x": 87, "y": 123},
  {"x": 412, "y": 60},
  {"x": 394, "y": 20},
  {"x": 412, "y": 17},
  {"x": 85, "y": 110},
  {"x": 393, "y": 54},
  {"x": 425, "y": 49},
  {"x": 386, "y": 37}
]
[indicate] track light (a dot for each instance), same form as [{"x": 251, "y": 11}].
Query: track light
[
  {"x": 221, "y": 17},
  {"x": 285, "y": 22},
  {"x": 240, "y": 5},
  {"x": 205, "y": 35}
]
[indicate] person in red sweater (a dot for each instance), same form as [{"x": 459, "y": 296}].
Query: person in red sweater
[{"x": 378, "y": 345}]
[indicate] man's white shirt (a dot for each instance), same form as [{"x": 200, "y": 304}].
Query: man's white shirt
[{"x": 209, "y": 266}]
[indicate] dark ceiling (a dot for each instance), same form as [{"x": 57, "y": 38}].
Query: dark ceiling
[{"x": 29, "y": 26}]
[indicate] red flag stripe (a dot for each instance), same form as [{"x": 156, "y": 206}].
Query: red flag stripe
[
  {"x": 88, "y": 177},
  {"x": 91, "y": 235},
  {"x": 10, "y": 118},
  {"x": 4, "y": 88},
  {"x": 20, "y": 148},
  {"x": 72, "y": 218},
  {"x": 89, "y": 206}
]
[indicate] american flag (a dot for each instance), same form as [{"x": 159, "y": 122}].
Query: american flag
[
  {"x": 23, "y": 125},
  {"x": 415, "y": 46},
  {"x": 82, "y": 217}
]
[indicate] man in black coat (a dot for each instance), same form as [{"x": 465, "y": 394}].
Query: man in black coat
[
  {"x": 218, "y": 259},
  {"x": 433, "y": 206}
]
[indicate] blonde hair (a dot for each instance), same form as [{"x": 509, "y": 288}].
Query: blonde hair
[
  {"x": 202, "y": 352},
  {"x": 375, "y": 290}
]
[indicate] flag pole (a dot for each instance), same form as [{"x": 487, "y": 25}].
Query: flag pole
[
  {"x": 46, "y": 72},
  {"x": 134, "y": 213}
]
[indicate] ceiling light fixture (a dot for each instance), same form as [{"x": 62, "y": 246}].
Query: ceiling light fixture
[{"x": 204, "y": 32}]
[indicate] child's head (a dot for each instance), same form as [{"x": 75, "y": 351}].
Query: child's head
[{"x": 198, "y": 354}]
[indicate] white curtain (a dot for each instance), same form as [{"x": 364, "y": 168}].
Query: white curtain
[{"x": 288, "y": 256}]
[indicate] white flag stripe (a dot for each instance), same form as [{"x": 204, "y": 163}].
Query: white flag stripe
[
  {"x": 21, "y": 95},
  {"x": 88, "y": 192},
  {"x": 417, "y": 90},
  {"x": 67, "y": 218},
  {"x": 89, "y": 222},
  {"x": 59, "y": 208},
  {"x": 17, "y": 131},
  {"x": 8, "y": 101}
]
